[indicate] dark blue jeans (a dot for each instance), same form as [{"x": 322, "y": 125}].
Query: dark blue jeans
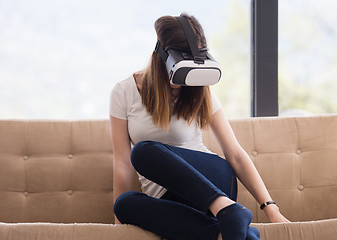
[{"x": 193, "y": 181}]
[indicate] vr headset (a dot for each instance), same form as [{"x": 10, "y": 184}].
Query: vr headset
[{"x": 189, "y": 67}]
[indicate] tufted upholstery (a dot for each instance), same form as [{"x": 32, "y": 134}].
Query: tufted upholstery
[
  {"x": 61, "y": 172},
  {"x": 297, "y": 159},
  {"x": 55, "y": 171}
]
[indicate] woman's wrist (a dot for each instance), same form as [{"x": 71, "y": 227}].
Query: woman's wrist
[
  {"x": 271, "y": 208},
  {"x": 272, "y": 212},
  {"x": 265, "y": 204}
]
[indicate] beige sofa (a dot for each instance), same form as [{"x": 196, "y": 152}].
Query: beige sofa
[{"x": 56, "y": 178}]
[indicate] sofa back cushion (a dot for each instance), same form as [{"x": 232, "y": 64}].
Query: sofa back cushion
[
  {"x": 55, "y": 171},
  {"x": 61, "y": 171},
  {"x": 297, "y": 159}
]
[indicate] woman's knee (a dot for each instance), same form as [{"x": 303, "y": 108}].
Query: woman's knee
[
  {"x": 123, "y": 205},
  {"x": 141, "y": 152}
]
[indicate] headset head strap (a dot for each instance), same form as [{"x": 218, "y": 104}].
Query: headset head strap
[{"x": 192, "y": 43}]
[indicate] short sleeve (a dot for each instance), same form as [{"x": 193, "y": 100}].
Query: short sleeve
[
  {"x": 216, "y": 105},
  {"x": 118, "y": 102}
]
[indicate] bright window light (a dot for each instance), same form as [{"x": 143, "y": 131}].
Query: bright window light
[{"x": 60, "y": 59}]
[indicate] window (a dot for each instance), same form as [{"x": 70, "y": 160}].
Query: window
[
  {"x": 232, "y": 47},
  {"x": 307, "y": 57},
  {"x": 60, "y": 59}
]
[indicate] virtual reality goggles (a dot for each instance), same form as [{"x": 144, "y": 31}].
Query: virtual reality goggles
[{"x": 189, "y": 67}]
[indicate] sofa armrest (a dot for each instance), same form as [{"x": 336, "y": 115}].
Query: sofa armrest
[
  {"x": 83, "y": 231},
  {"x": 313, "y": 230}
]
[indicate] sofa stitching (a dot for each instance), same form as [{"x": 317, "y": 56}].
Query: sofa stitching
[
  {"x": 25, "y": 164},
  {"x": 292, "y": 188},
  {"x": 300, "y": 165},
  {"x": 71, "y": 160}
]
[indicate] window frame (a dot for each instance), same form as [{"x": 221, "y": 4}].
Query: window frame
[{"x": 264, "y": 58}]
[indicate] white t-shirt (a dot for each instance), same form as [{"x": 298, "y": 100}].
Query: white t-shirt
[{"x": 126, "y": 103}]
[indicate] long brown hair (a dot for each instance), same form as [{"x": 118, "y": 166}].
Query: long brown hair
[{"x": 193, "y": 103}]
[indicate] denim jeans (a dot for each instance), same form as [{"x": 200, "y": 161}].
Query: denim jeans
[{"x": 193, "y": 180}]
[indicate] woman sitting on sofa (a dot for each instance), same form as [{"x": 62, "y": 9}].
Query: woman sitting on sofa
[{"x": 188, "y": 191}]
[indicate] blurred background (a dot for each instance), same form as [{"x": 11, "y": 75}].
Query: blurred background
[{"x": 60, "y": 59}]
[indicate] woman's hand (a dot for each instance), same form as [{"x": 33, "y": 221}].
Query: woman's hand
[{"x": 273, "y": 213}]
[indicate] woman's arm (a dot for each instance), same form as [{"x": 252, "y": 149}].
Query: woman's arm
[
  {"x": 123, "y": 171},
  {"x": 243, "y": 166}
]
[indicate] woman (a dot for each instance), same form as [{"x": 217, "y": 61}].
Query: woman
[{"x": 188, "y": 191}]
